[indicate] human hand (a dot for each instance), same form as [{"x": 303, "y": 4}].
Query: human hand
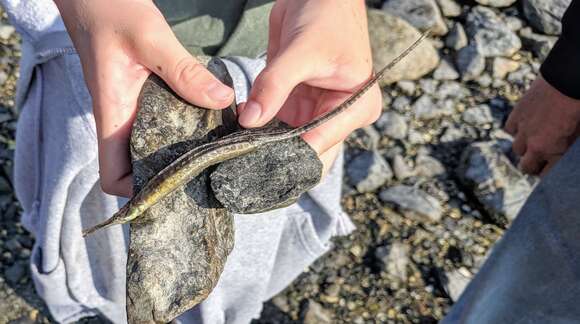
[
  {"x": 318, "y": 55},
  {"x": 120, "y": 43},
  {"x": 544, "y": 124}
]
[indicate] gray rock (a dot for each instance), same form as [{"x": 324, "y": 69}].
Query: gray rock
[
  {"x": 408, "y": 87},
  {"x": 413, "y": 200},
  {"x": 446, "y": 71},
  {"x": 422, "y": 14},
  {"x": 496, "y": 3},
  {"x": 393, "y": 125},
  {"x": 402, "y": 104},
  {"x": 401, "y": 169},
  {"x": 453, "y": 90},
  {"x": 546, "y": 16},
  {"x": 316, "y": 314},
  {"x": 389, "y": 37},
  {"x": 494, "y": 181},
  {"x": 368, "y": 171},
  {"x": 449, "y": 8},
  {"x": 6, "y": 31},
  {"x": 514, "y": 23},
  {"x": 470, "y": 63},
  {"x": 428, "y": 166},
  {"x": 271, "y": 178},
  {"x": 485, "y": 80},
  {"x": 395, "y": 259},
  {"x": 3, "y": 77},
  {"x": 425, "y": 109},
  {"x": 478, "y": 115},
  {"x": 541, "y": 45},
  {"x": 366, "y": 138},
  {"x": 452, "y": 134},
  {"x": 15, "y": 273},
  {"x": 429, "y": 86},
  {"x": 503, "y": 66},
  {"x": 457, "y": 38},
  {"x": 491, "y": 35},
  {"x": 455, "y": 282}
]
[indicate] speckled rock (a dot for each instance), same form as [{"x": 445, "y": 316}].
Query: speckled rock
[
  {"x": 389, "y": 37},
  {"x": 273, "y": 177},
  {"x": 422, "y": 14},
  {"x": 176, "y": 257},
  {"x": 491, "y": 35},
  {"x": 546, "y": 16}
]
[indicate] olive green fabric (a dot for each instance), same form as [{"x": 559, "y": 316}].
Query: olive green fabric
[{"x": 219, "y": 27}]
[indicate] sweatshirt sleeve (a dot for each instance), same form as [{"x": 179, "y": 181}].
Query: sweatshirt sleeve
[{"x": 562, "y": 66}]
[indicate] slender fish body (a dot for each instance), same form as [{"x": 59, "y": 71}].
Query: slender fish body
[{"x": 192, "y": 163}]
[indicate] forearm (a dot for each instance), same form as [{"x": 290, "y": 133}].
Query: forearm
[{"x": 562, "y": 67}]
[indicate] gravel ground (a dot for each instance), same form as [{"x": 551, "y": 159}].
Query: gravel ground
[{"x": 431, "y": 186}]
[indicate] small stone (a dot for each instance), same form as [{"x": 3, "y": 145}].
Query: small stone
[
  {"x": 413, "y": 200},
  {"x": 393, "y": 125},
  {"x": 366, "y": 138},
  {"x": 3, "y": 77},
  {"x": 485, "y": 80},
  {"x": 6, "y": 31},
  {"x": 455, "y": 282},
  {"x": 457, "y": 38},
  {"x": 503, "y": 66},
  {"x": 13, "y": 245},
  {"x": 454, "y": 90},
  {"x": 425, "y": 109},
  {"x": 281, "y": 301},
  {"x": 470, "y": 63},
  {"x": 15, "y": 273},
  {"x": 429, "y": 86},
  {"x": 445, "y": 71},
  {"x": 422, "y": 14},
  {"x": 389, "y": 37},
  {"x": 402, "y": 104},
  {"x": 498, "y": 186},
  {"x": 491, "y": 35},
  {"x": 496, "y": 3},
  {"x": 401, "y": 169},
  {"x": 368, "y": 171},
  {"x": 545, "y": 16},
  {"x": 416, "y": 137},
  {"x": 478, "y": 115},
  {"x": 395, "y": 259},
  {"x": 514, "y": 23},
  {"x": 449, "y": 8},
  {"x": 316, "y": 314},
  {"x": 408, "y": 87},
  {"x": 428, "y": 166},
  {"x": 540, "y": 45}
]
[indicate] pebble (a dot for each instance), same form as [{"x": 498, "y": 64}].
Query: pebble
[
  {"x": 503, "y": 66},
  {"x": 541, "y": 45},
  {"x": 393, "y": 125},
  {"x": 401, "y": 169},
  {"x": 425, "y": 109},
  {"x": 316, "y": 314},
  {"x": 415, "y": 200},
  {"x": 449, "y": 8},
  {"x": 394, "y": 259},
  {"x": 452, "y": 90},
  {"x": 428, "y": 167},
  {"x": 478, "y": 115},
  {"x": 457, "y": 38},
  {"x": 408, "y": 87},
  {"x": 545, "y": 16},
  {"x": 496, "y": 183},
  {"x": 366, "y": 138},
  {"x": 492, "y": 36},
  {"x": 455, "y": 282},
  {"x": 470, "y": 63},
  {"x": 422, "y": 14},
  {"x": 401, "y": 104},
  {"x": 369, "y": 171},
  {"x": 14, "y": 273},
  {"x": 389, "y": 37},
  {"x": 496, "y": 3},
  {"x": 445, "y": 71},
  {"x": 6, "y": 31}
]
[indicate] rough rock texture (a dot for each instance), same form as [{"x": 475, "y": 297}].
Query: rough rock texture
[
  {"x": 413, "y": 200},
  {"x": 545, "y": 15},
  {"x": 470, "y": 63},
  {"x": 368, "y": 171},
  {"x": 178, "y": 251},
  {"x": 389, "y": 37},
  {"x": 495, "y": 182},
  {"x": 423, "y": 14},
  {"x": 176, "y": 257},
  {"x": 491, "y": 35},
  {"x": 273, "y": 177},
  {"x": 496, "y": 3}
]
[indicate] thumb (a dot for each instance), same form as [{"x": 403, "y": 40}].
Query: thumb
[
  {"x": 272, "y": 88},
  {"x": 166, "y": 57}
]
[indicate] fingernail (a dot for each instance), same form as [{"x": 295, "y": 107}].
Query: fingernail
[
  {"x": 219, "y": 92},
  {"x": 250, "y": 114}
]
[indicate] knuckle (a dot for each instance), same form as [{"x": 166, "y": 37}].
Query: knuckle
[{"x": 186, "y": 70}]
